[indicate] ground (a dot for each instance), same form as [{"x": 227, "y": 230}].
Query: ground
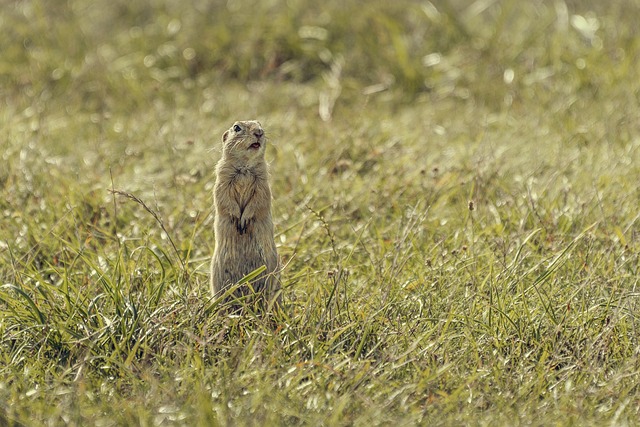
[{"x": 456, "y": 205}]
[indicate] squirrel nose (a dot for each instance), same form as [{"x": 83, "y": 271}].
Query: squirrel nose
[{"x": 258, "y": 132}]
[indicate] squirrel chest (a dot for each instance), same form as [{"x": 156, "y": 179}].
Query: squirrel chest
[{"x": 243, "y": 186}]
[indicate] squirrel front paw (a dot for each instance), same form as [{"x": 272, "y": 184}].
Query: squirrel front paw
[{"x": 242, "y": 225}]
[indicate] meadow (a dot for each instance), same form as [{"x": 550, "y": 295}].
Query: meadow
[{"x": 456, "y": 201}]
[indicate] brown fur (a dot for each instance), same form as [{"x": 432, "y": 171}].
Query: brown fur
[{"x": 243, "y": 224}]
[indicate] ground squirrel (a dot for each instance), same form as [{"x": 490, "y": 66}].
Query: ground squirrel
[{"x": 243, "y": 224}]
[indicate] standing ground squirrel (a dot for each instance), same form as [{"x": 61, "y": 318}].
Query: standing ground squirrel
[{"x": 243, "y": 225}]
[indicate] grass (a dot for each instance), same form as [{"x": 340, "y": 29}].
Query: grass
[{"x": 455, "y": 199}]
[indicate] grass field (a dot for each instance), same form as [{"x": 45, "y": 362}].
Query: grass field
[{"x": 456, "y": 201}]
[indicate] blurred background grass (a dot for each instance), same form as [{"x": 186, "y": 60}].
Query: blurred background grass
[{"x": 485, "y": 49}]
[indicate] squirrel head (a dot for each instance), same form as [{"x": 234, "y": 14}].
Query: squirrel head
[{"x": 245, "y": 141}]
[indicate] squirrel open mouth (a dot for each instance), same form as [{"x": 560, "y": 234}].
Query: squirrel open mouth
[{"x": 255, "y": 146}]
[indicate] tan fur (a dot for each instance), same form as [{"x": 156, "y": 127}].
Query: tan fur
[{"x": 243, "y": 224}]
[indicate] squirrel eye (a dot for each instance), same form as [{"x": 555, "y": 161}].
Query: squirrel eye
[{"x": 236, "y": 128}]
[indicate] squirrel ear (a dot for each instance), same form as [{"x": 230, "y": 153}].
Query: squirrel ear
[{"x": 224, "y": 136}]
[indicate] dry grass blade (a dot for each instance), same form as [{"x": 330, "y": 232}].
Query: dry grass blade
[{"x": 155, "y": 216}]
